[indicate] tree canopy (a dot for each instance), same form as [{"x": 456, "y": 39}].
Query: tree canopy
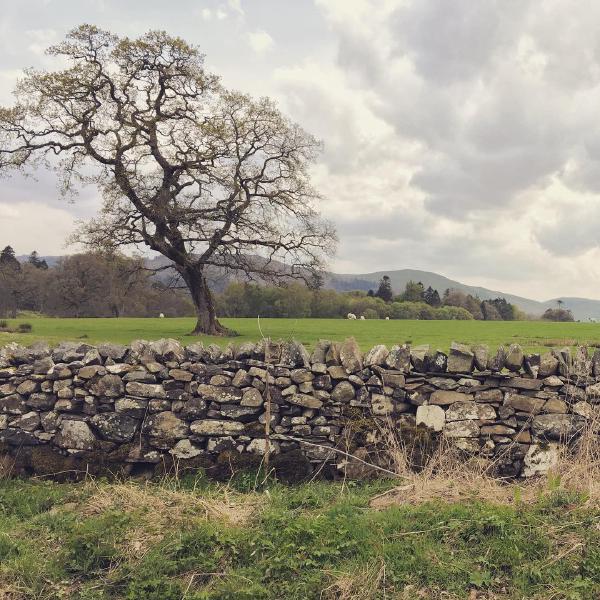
[{"x": 201, "y": 174}]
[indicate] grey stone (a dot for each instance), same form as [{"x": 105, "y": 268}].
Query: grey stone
[
  {"x": 399, "y": 358},
  {"x": 215, "y": 427},
  {"x": 115, "y": 427},
  {"x": 165, "y": 426},
  {"x": 223, "y": 395},
  {"x": 444, "y": 397},
  {"x": 343, "y": 392},
  {"x": 481, "y": 356},
  {"x": 460, "y": 359},
  {"x": 514, "y": 358},
  {"x": 145, "y": 390},
  {"x": 75, "y": 435},
  {"x": 111, "y": 386},
  {"x": 557, "y": 427},
  {"x": 351, "y": 356},
  {"x": 305, "y": 401}
]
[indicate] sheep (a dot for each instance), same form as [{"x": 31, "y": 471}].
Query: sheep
[
  {"x": 351, "y": 316},
  {"x": 161, "y": 316}
]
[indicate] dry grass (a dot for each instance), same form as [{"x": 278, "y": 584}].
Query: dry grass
[
  {"x": 451, "y": 477},
  {"x": 158, "y": 509}
]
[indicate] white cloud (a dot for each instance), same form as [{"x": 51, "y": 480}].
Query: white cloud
[
  {"x": 28, "y": 226},
  {"x": 260, "y": 41}
]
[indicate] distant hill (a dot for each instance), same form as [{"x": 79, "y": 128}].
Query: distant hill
[{"x": 583, "y": 308}]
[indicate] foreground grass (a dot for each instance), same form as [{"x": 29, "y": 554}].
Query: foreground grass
[
  {"x": 532, "y": 335},
  {"x": 197, "y": 540}
]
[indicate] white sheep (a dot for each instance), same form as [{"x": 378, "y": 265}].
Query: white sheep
[
  {"x": 362, "y": 317},
  {"x": 161, "y": 316},
  {"x": 351, "y": 316}
]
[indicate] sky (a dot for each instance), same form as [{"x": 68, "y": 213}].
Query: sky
[{"x": 459, "y": 137}]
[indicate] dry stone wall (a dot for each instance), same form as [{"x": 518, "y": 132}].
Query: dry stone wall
[{"x": 156, "y": 407}]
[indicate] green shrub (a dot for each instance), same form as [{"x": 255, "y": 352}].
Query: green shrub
[
  {"x": 3, "y": 324},
  {"x": 25, "y": 327}
]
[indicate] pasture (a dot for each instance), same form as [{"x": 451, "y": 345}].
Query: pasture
[{"x": 534, "y": 336}]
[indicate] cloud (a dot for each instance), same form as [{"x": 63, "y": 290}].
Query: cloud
[{"x": 260, "y": 41}]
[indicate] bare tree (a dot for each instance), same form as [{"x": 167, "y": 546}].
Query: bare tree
[{"x": 204, "y": 176}]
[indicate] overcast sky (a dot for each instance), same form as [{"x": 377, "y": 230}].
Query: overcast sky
[{"x": 460, "y": 137}]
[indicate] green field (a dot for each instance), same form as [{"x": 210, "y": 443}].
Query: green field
[
  {"x": 195, "y": 540},
  {"x": 532, "y": 335}
]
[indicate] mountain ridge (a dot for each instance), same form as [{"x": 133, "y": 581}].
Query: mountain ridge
[{"x": 583, "y": 308}]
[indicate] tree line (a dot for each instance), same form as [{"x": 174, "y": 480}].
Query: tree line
[
  {"x": 415, "y": 302},
  {"x": 91, "y": 284}
]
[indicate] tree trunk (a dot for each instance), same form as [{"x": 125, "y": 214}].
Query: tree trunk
[{"x": 207, "y": 322}]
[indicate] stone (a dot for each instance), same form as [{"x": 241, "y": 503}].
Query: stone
[
  {"x": 399, "y": 358},
  {"x": 223, "y": 395},
  {"x": 556, "y": 406},
  {"x": 75, "y": 435},
  {"x": 115, "y": 427},
  {"x": 13, "y": 405},
  {"x": 351, "y": 356},
  {"x": 460, "y": 359},
  {"x": 92, "y": 357},
  {"x": 3, "y": 421},
  {"x": 461, "y": 429},
  {"x": 110, "y": 386},
  {"x": 376, "y": 355},
  {"x": 237, "y": 412},
  {"x": 394, "y": 380},
  {"x": 165, "y": 426},
  {"x": 437, "y": 362},
  {"x": 305, "y": 400},
  {"x": 514, "y": 358},
  {"x": 90, "y": 372},
  {"x": 343, "y": 392},
  {"x": 593, "y": 391},
  {"x": 443, "y": 383},
  {"x": 115, "y": 352},
  {"x": 337, "y": 372},
  {"x": 259, "y": 446},
  {"x": 320, "y": 352},
  {"x": 557, "y": 427},
  {"x": 381, "y": 405},
  {"x": 481, "y": 356},
  {"x": 493, "y": 396},
  {"x": 461, "y": 411},
  {"x": 180, "y": 375},
  {"x": 252, "y": 397},
  {"x": 184, "y": 449},
  {"x": 145, "y": 390},
  {"x": 133, "y": 407},
  {"x": 540, "y": 459},
  {"x": 552, "y": 381},
  {"x": 301, "y": 375},
  {"x": 215, "y": 427},
  {"x": 168, "y": 349},
  {"x": 241, "y": 379},
  {"x": 548, "y": 365},
  {"x": 432, "y": 417},
  {"x": 526, "y": 404},
  {"x": 194, "y": 408},
  {"x": 524, "y": 383},
  {"x": 496, "y": 362},
  {"x": 293, "y": 353},
  {"x": 28, "y": 387},
  {"x": 489, "y": 430},
  {"x": 445, "y": 397},
  {"x": 29, "y": 421},
  {"x": 585, "y": 410},
  {"x": 418, "y": 357}
]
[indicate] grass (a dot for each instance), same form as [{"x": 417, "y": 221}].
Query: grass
[
  {"x": 532, "y": 335},
  {"x": 198, "y": 540}
]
